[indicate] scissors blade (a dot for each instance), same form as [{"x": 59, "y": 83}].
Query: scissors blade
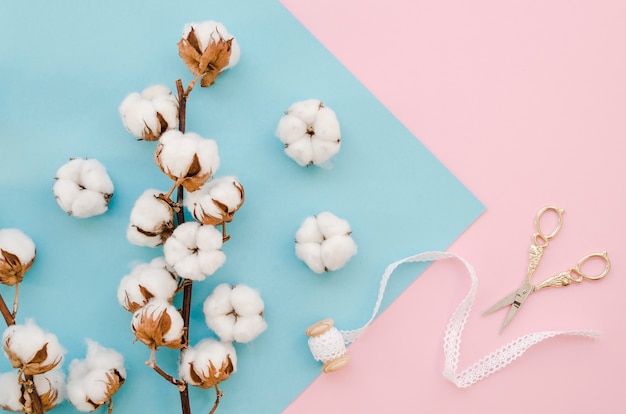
[
  {"x": 505, "y": 301},
  {"x": 520, "y": 297}
]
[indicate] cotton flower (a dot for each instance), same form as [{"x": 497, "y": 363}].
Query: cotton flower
[
  {"x": 94, "y": 380},
  {"x": 17, "y": 255},
  {"x": 15, "y": 397},
  {"x": 187, "y": 158},
  {"x": 235, "y": 313},
  {"x": 148, "y": 114},
  {"x": 145, "y": 282},
  {"x": 30, "y": 349},
  {"x": 158, "y": 324},
  {"x": 310, "y": 132},
  {"x": 208, "y": 363},
  {"x": 324, "y": 242},
  {"x": 151, "y": 220},
  {"x": 216, "y": 202},
  {"x": 208, "y": 49},
  {"x": 83, "y": 188},
  {"x": 194, "y": 250}
]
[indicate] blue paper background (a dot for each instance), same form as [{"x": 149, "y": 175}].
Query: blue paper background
[{"x": 65, "y": 67}]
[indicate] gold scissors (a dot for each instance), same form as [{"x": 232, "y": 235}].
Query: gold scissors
[{"x": 574, "y": 274}]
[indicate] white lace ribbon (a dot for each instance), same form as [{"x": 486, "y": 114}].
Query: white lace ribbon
[{"x": 486, "y": 366}]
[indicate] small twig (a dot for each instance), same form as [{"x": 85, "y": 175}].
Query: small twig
[
  {"x": 35, "y": 399},
  {"x": 176, "y": 185},
  {"x": 192, "y": 84},
  {"x": 6, "y": 313},
  {"x": 153, "y": 364},
  {"x": 17, "y": 292},
  {"x": 182, "y": 105},
  {"x": 110, "y": 408},
  {"x": 225, "y": 237},
  {"x": 218, "y": 397}
]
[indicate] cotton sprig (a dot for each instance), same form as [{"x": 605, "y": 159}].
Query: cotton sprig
[
  {"x": 30, "y": 349},
  {"x": 187, "y": 158},
  {"x": 83, "y": 188},
  {"x": 148, "y": 114},
  {"x": 151, "y": 220},
  {"x": 217, "y": 201},
  {"x": 324, "y": 242},
  {"x": 94, "y": 380},
  {"x": 17, "y": 255},
  {"x": 14, "y": 397},
  {"x": 208, "y": 363},
  {"x": 235, "y": 313},
  {"x": 145, "y": 282},
  {"x": 158, "y": 324},
  {"x": 194, "y": 250},
  {"x": 310, "y": 131},
  {"x": 207, "y": 49}
]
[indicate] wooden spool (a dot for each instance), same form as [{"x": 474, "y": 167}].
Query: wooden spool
[{"x": 320, "y": 328}]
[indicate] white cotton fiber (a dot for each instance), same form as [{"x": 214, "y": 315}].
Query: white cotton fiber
[
  {"x": 194, "y": 250},
  {"x": 10, "y": 392},
  {"x": 204, "y": 354},
  {"x": 151, "y": 220},
  {"x": 146, "y": 281},
  {"x": 83, "y": 188},
  {"x": 22, "y": 342},
  {"x": 324, "y": 242},
  {"x": 311, "y": 133},
  {"x": 149, "y": 114},
  {"x": 210, "y": 30},
  {"x": 16, "y": 242}
]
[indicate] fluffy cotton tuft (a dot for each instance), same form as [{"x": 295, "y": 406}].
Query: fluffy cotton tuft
[
  {"x": 194, "y": 250},
  {"x": 151, "y": 220},
  {"x": 235, "y": 313},
  {"x": 94, "y": 380},
  {"x": 310, "y": 132},
  {"x": 217, "y": 201},
  {"x": 31, "y": 349},
  {"x": 158, "y": 324},
  {"x": 208, "y": 363},
  {"x": 146, "y": 281},
  {"x": 148, "y": 114},
  {"x": 17, "y": 255},
  {"x": 187, "y": 158},
  {"x": 324, "y": 242},
  {"x": 83, "y": 188},
  {"x": 207, "y": 49},
  {"x": 50, "y": 386}
]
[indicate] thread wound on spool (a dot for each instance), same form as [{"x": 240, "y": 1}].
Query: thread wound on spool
[{"x": 327, "y": 345}]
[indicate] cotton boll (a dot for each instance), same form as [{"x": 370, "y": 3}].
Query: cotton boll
[
  {"x": 310, "y": 132},
  {"x": 51, "y": 388},
  {"x": 151, "y": 220},
  {"x": 227, "y": 191},
  {"x": 149, "y": 114},
  {"x": 187, "y": 158},
  {"x": 208, "y": 363},
  {"x": 158, "y": 324},
  {"x": 331, "y": 249},
  {"x": 235, "y": 313},
  {"x": 217, "y": 201},
  {"x": 94, "y": 380},
  {"x": 194, "y": 251},
  {"x": 31, "y": 349},
  {"x": 17, "y": 255},
  {"x": 146, "y": 281},
  {"x": 83, "y": 188}
]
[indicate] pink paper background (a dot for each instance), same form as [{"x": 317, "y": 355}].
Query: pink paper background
[{"x": 526, "y": 103}]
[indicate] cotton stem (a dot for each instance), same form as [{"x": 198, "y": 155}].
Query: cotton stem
[
  {"x": 153, "y": 364},
  {"x": 6, "y": 313},
  {"x": 218, "y": 397},
  {"x": 35, "y": 399},
  {"x": 17, "y": 292}
]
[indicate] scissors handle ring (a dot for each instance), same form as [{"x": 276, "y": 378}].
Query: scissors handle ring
[
  {"x": 540, "y": 238},
  {"x": 577, "y": 273}
]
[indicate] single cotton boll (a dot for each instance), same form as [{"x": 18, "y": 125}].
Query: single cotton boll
[
  {"x": 17, "y": 255},
  {"x": 10, "y": 392},
  {"x": 227, "y": 191},
  {"x": 83, "y": 188},
  {"x": 210, "y": 30},
  {"x": 194, "y": 251},
  {"x": 235, "y": 313},
  {"x": 208, "y": 363},
  {"x": 310, "y": 132},
  {"x": 31, "y": 349},
  {"x": 149, "y": 114},
  {"x": 324, "y": 242},
  {"x": 158, "y": 324},
  {"x": 146, "y": 281},
  {"x": 151, "y": 220}
]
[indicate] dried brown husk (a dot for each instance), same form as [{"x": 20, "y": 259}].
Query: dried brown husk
[
  {"x": 207, "y": 63},
  {"x": 12, "y": 270},
  {"x": 114, "y": 382},
  {"x": 226, "y": 214},
  {"x": 35, "y": 365},
  {"x": 149, "y": 135},
  {"x": 152, "y": 328},
  {"x": 214, "y": 376}
]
